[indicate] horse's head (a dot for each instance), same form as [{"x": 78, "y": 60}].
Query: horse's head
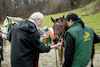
[
  {"x": 5, "y": 28},
  {"x": 7, "y": 25},
  {"x": 59, "y": 29}
]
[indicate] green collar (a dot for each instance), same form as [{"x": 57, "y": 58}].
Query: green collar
[{"x": 9, "y": 25}]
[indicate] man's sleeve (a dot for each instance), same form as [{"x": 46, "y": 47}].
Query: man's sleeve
[
  {"x": 69, "y": 50},
  {"x": 38, "y": 45},
  {"x": 96, "y": 38}
]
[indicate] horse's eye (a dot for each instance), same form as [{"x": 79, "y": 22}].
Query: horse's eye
[
  {"x": 6, "y": 26},
  {"x": 61, "y": 26}
]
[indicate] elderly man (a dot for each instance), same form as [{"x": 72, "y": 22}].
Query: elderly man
[{"x": 25, "y": 42}]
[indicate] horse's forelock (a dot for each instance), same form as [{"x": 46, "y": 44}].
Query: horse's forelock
[{"x": 57, "y": 19}]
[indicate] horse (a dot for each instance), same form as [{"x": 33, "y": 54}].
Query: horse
[
  {"x": 7, "y": 25},
  {"x": 60, "y": 28},
  {"x": 59, "y": 31}
]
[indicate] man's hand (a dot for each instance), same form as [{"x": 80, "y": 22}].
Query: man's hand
[{"x": 58, "y": 45}]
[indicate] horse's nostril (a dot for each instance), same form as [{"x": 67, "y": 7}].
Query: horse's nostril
[{"x": 55, "y": 41}]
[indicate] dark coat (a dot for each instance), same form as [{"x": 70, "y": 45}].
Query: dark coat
[
  {"x": 25, "y": 44},
  {"x": 1, "y": 48}
]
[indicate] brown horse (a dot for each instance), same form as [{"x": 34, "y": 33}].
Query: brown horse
[
  {"x": 59, "y": 31},
  {"x": 60, "y": 27}
]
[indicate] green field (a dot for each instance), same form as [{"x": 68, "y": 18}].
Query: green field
[
  {"x": 86, "y": 13},
  {"x": 1, "y": 25}
]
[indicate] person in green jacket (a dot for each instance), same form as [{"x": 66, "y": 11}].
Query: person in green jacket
[{"x": 78, "y": 42}]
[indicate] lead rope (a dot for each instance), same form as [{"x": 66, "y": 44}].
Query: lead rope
[
  {"x": 56, "y": 58},
  {"x": 61, "y": 39}
]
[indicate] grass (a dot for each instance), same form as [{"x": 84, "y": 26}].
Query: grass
[
  {"x": 86, "y": 13},
  {"x": 1, "y": 25}
]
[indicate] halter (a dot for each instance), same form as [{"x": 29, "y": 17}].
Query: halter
[{"x": 3, "y": 32}]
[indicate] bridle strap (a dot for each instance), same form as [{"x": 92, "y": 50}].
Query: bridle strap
[
  {"x": 4, "y": 33},
  {"x": 62, "y": 34},
  {"x": 57, "y": 34}
]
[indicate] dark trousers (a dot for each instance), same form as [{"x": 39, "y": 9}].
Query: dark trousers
[{"x": 0, "y": 62}]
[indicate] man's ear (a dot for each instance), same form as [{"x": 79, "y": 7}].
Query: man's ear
[{"x": 36, "y": 19}]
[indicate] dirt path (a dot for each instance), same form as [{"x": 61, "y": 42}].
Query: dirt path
[
  {"x": 49, "y": 60},
  {"x": 46, "y": 59}
]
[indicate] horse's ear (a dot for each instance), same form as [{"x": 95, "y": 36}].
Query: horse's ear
[
  {"x": 52, "y": 19},
  {"x": 62, "y": 18},
  {"x": 7, "y": 19}
]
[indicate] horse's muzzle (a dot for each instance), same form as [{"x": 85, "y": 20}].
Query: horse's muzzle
[{"x": 55, "y": 41}]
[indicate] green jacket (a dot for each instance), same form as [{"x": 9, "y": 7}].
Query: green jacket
[{"x": 83, "y": 44}]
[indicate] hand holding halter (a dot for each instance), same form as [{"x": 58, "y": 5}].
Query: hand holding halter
[{"x": 58, "y": 45}]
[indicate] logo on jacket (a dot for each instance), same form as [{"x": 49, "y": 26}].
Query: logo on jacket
[{"x": 86, "y": 36}]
